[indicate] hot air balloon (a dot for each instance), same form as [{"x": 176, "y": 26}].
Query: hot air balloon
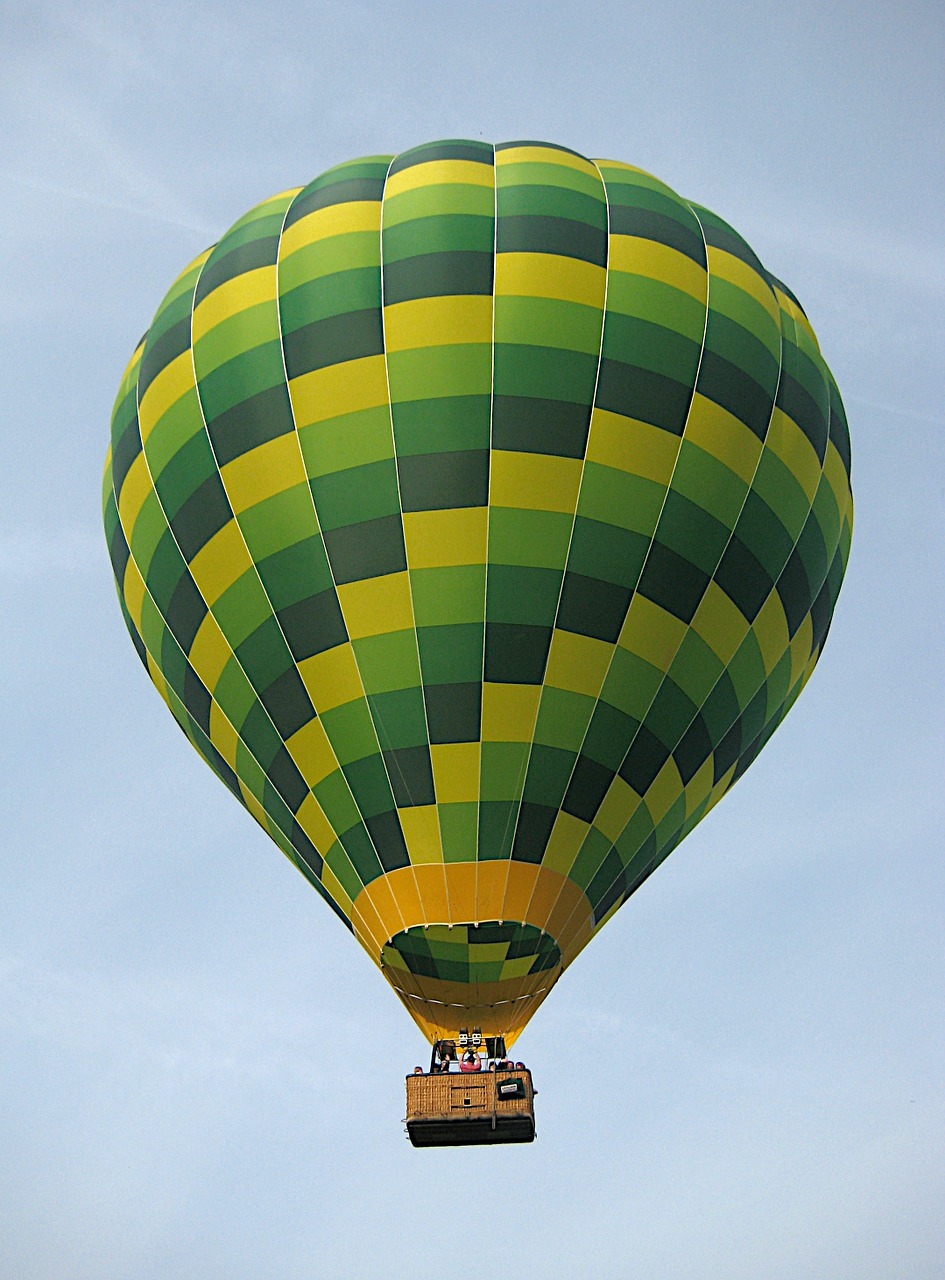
[{"x": 479, "y": 513}]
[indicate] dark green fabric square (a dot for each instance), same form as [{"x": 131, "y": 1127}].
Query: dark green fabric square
[
  {"x": 672, "y": 582},
  {"x": 358, "y": 846},
  {"x": 743, "y": 579},
  {"x": 313, "y": 625},
  {"x": 186, "y": 611},
  {"x": 794, "y": 592},
  {"x": 196, "y": 698},
  {"x": 353, "y": 335},
  {"x": 529, "y": 424},
  {"x": 264, "y": 655},
  {"x": 516, "y": 653},
  {"x": 370, "y": 785},
  {"x": 203, "y": 514},
  {"x": 587, "y": 788},
  {"x": 411, "y": 775},
  {"x": 437, "y": 481},
  {"x": 388, "y": 840},
  {"x": 640, "y": 393},
  {"x": 646, "y": 757},
  {"x": 288, "y": 703},
  {"x": 533, "y": 832},
  {"x": 367, "y": 550},
  {"x": 590, "y": 607},
  {"x": 262, "y": 417},
  {"x": 496, "y": 828},
  {"x": 453, "y": 711},
  {"x": 285, "y": 777}
]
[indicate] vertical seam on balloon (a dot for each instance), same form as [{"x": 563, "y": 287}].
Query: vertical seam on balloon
[
  {"x": 239, "y": 528},
  {"x": 654, "y": 861},
  {"x": 295, "y": 432},
  {"x": 236, "y": 521},
  {"x": 669, "y": 485},
  {"x": 403, "y": 534},
  {"x": 577, "y": 502},
  {"x": 485, "y": 575},
  {"x": 190, "y": 574}
]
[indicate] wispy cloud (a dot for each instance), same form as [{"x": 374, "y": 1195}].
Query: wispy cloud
[
  {"x": 911, "y": 262},
  {"x": 159, "y": 212},
  {"x": 28, "y": 555},
  {"x": 63, "y": 90}
]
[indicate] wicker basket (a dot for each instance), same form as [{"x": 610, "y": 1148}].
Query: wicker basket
[{"x": 457, "y": 1109}]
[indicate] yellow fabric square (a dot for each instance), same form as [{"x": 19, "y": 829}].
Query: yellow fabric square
[
  {"x": 771, "y": 631},
  {"x": 651, "y": 633},
  {"x": 455, "y": 771},
  {"x": 421, "y": 828},
  {"x": 434, "y": 173},
  {"x": 242, "y": 291},
  {"x": 133, "y": 590},
  {"x": 312, "y": 820},
  {"x": 509, "y": 712},
  {"x": 219, "y": 563},
  {"x": 699, "y": 787},
  {"x": 663, "y": 791},
  {"x": 437, "y": 322},
  {"x": 564, "y": 844},
  {"x": 801, "y": 649},
  {"x": 375, "y": 606},
  {"x": 539, "y": 275},
  {"x": 223, "y": 735},
  {"x": 127, "y": 380},
  {"x": 787, "y": 441},
  {"x": 134, "y": 491},
  {"x": 724, "y": 436},
  {"x": 210, "y": 652},
  {"x": 638, "y": 256},
  {"x": 834, "y": 474},
  {"x": 720, "y": 788},
  {"x": 312, "y": 752},
  {"x": 331, "y": 678},
  {"x": 174, "y": 381},
  {"x": 268, "y": 469},
  {"x": 535, "y": 481},
  {"x": 442, "y": 539},
  {"x": 333, "y": 220},
  {"x": 727, "y": 267},
  {"x": 627, "y": 444},
  {"x": 619, "y": 805},
  {"x": 537, "y": 154},
  {"x": 338, "y": 388},
  {"x": 720, "y": 623},
  {"x": 578, "y": 663}
]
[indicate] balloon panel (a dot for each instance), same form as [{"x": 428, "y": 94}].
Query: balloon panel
[{"x": 479, "y": 513}]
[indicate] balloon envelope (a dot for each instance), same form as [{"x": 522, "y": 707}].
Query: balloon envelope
[{"x": 479, "y": 513}]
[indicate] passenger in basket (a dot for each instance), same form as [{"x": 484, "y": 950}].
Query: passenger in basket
[
  {"x": 470, "y": 1061},
  {"x": 446, "y": 1052}
]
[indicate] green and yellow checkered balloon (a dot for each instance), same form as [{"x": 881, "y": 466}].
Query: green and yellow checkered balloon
[{"x": 479, "y": 513}]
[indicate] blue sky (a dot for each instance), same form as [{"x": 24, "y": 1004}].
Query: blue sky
[{"x": 743, "y": 1078}]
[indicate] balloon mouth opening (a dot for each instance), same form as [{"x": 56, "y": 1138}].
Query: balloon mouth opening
[
  {"x": 487, "y": 952},
  {"x": 493, "y": 974}
]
